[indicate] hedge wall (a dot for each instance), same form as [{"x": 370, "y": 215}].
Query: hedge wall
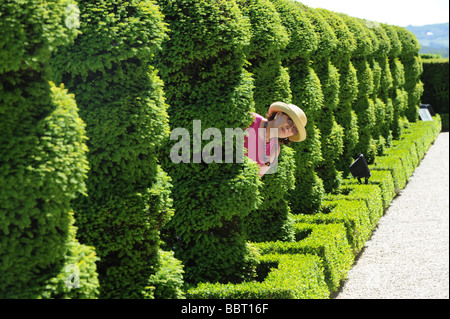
[
  {"x": 271, "y": 221},
  {"x": 202, "y": 66},
  {"x": 306, "y": 93},
  {"x": 348, "y": 86},
  {"x": 120, "y": 96},
  {"x": 436, "y": 87},
  {"x": 42, "y": 160}
]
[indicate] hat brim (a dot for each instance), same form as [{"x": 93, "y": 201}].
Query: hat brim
[{"x": 286, "y": 108}]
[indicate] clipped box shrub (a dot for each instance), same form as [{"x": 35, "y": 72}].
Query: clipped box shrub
[
  {"x": 423, "y": 134},
  {"x": 395, "y": 166},
  {"x": 353, "y": 214},
  {"x": 407, "y": 152},
  {"x": 370, "y": 194},
  {"x": 405, "y": 155},
  {"x": 289, "y": 277},
  {"x": 329, "y": 242},
  {"x": 384, "y": 180},
  {"x": 42, "y": 160},
  {"x": 120, "y": 96}
]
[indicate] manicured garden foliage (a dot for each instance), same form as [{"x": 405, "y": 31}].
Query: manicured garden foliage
[
  {"x": 412, "y": 62},
  {"x": 271, "y": 221},
  {"x": 308, "y": 95},
  {"x": 42, "y": 160},
  {"x": 363, "y": 105},
  {"x": 435, "y": 78},
  {"x": 397, "y": 93},
  {"x": 268, "y": 40},
  {"x": 109, "y": 68},
  {"x": 357, "y": 81},
  {"x": 379, "y": 63},
  {"x": 295, "y": 276},
  {"x": 344, "y": 114},
  {"x": 327, "y": 241},
  {"x": 291, "y": 234},
  {"x": 331, "y": 132},
  {"x": 202, "y": 65}
]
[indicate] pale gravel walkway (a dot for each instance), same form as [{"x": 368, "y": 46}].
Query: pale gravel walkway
[{"x": 408, "y": 254}]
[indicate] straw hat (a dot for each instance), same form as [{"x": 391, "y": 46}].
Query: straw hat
[{"x": 296, "y": 114}]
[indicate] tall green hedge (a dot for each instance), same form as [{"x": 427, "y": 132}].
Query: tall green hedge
[
  {"x": 363, "y": 105},
  {"x": 381, "y": 133},
  {"x": 268, "y": 40},
  {"x": 42, "y": 159},
  {"x": 271, "y": 221},
  {"x": 120, "y": 96},
  {"x": 435, "y": 78},
  {"x": 348, "y": 86},
  {"x": 202, "y": 65},
  {"x": 308, "y": 95},
  {"x": 413, "y": 69},
  {"x": 332, "y": 134},
  {"x": 397, "y": 93}
]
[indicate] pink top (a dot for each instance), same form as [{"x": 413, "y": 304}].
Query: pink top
[{"x": 255, "y": 143}]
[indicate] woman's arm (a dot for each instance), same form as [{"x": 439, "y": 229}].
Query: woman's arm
[{"x": 272, "y": 159}]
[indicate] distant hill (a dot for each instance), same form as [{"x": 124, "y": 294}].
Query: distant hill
[{"x": 433, "y": 38}]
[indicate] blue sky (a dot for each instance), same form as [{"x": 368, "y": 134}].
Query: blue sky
[{"x": 396, "y": 12}]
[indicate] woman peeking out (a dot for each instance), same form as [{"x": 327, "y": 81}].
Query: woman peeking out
[{"x": 284, "y": 123}]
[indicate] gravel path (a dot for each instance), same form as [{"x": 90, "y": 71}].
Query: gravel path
[{"x": 408, "y": 254}]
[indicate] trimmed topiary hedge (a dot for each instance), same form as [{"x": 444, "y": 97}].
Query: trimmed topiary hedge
[
  {"x": 218, "y": 61},
  {"x": 291, "y": 276},
  {"x": 42, "y": 160},
  {"x": 435, "y": 78},
  {"x": 121, "y": 99},
  {"x": 207, "y": 86},
  {"x": 271, "y": 221}
]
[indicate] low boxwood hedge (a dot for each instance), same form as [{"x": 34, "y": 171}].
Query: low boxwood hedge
[
  {"x": 293, "y": 276},
  {"x": 354, "y": 214},
  {"x": 329, "y": 242},
  {"x": 384, "y": 180},
  {"x": 369, "y": 193}
]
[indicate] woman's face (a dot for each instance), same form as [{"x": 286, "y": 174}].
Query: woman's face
[{"x": 285, "y": 125}]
